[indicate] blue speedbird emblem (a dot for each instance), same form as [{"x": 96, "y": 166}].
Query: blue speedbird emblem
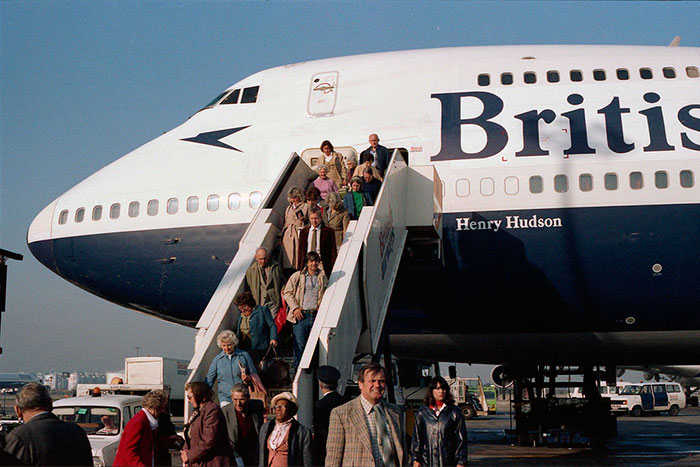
[{"x": 213, "y": 138}]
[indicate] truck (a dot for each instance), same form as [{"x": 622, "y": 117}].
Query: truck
[
  {"x": 469, "y": 396},
  {"x": 143, "y": 374}
]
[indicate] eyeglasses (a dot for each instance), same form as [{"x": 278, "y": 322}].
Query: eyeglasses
[{"x": 280, "y": 407}]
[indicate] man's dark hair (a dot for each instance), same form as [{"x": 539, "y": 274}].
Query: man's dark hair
[
  {"x": 315, "y": 210},
  {"x": 34, "y": 396},
  {"x": 436, "y": 382},
  {"x": 369, "y": 368},
  {"x": 244, "y": 298},
  {"x": 313, "y": 194},
  {"x": 312, "y": 255}
]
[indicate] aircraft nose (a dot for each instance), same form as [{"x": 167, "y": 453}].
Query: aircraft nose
[{"x": 39, "y": 237}]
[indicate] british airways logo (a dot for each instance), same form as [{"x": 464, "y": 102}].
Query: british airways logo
[
  {"x": 213, "y": 138},
  {"x": 452, "y": 125}
]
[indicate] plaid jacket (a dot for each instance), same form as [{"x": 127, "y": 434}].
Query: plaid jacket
[{"x": 349, "y": 442}]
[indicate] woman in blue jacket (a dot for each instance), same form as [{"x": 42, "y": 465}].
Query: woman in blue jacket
[
  {"x": 255, "y": 328},
  {"x": 230, "y": 366}
]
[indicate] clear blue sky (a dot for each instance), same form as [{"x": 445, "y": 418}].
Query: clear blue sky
[{"x": 83, "y": 83}]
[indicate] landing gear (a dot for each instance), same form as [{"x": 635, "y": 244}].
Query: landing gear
[{"x": 542, "y": 418}]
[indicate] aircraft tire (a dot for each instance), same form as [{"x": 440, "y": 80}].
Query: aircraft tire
[
  {"x": 636, "y": 411},
  {"x": 673, "y": 411}
]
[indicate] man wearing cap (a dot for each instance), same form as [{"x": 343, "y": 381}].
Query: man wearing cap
[
  {"x": 284, "y": 441},
  {"x": 367, "y": 431},
  {"x": 328, "y": 383}
]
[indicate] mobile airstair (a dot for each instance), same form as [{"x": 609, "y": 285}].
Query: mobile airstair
[{"x": 351, "y": 316}]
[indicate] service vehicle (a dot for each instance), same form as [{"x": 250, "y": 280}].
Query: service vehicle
[
  {"x": 103, "y": 419},
  {"x": 638, "y": 399},
  {"x": 469, "y": 396},
  {"x": 143, "y": 374},
  {"x": 603, "y": 389},
  {"x": 491, "y": 398}
]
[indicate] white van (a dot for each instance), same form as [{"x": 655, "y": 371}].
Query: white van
[
  {"x": 650, "y": 397},
  {"x": 103, "y": 419}
]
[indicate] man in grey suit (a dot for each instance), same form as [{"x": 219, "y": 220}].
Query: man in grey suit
[
  {"x": 244, "y": 417},
  {"x": 367, "y": 430},
  {"x": 43, "y": 439}
]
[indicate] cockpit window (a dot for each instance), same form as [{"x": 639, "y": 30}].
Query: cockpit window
[
  {"x": 232, "y": 98},
  {"x": 250, "y": 95},
  {"x": 215, "y": 100}
]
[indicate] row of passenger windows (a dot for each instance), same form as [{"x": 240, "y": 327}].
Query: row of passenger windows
[
  {"x": 171, "y": 207},
  {"x": 622, "y": 74},
  {"x": 487, "y": 185}
]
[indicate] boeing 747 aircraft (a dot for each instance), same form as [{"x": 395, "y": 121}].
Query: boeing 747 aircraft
[{"x": 571, "y": 209}]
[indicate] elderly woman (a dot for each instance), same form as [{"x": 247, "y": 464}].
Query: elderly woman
[
  {"x": 284, "y": 441},
  {"x": 350, "y": 166},
  {"x": 229, "y": 367},
  {"x": 323, "y": 183},
  {"x": 295, "y": 217},
  {"x": 337, "y": 217},
  {"x": 138, "y": 446},
  {"x": 206, "y": 437},
  {"x": 255, "y": 328},
  {"x": 355, "y": 199},
  {"x": 334, "y": 162},
  {"x": 439, "y": 434}
]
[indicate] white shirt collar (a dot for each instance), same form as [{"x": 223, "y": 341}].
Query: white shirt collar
[{"x": 151, "y": 419}]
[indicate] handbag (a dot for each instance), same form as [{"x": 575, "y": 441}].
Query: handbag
[
  {"x": 281, "y": 318},
  {"x": 274, "y": 371}
]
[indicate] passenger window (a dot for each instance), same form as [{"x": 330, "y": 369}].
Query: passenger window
[
  {"x": 462, "y": 188},
  {"x": 530, "y": 77},
  {"x": 127, "y": 414},
  {"x": 661, "y": 179},
  {"x": 255, "y": 199},
  {"x": 585, "y": 182},
  {"x": 535, "y": 184},
  {"x": 115, "y": 210},
  {"x": 63, "y": 217},
  {"x": 669, "y": 72},
  {"x": 484, "y": 80},
  {"x": 512, "y": 185},
  {"x": 576, "y": 75},
  {"x": 234, "y": 201},
  {"x": 687, "y": 179},
  {"x": 97, "y": 213},
  {"x": 152, "y": 207},
  {"x": 553, "y": 76},
  {"x": 250, "y": 95},
  {"x": 171, "y": 208},
  {"x": 672, "y": 388},
  {"x": 599, "y": 75},
  {"x": 623, "y": 74},
  {"x": 610, "y": 181},
  {"x": 692, "y": 72},
  {"x": 192, "y": 204},
  {"x": 561, "y": 183},
  {"x": 79, "y": 214},
  {"x": 645, "y": 73},
  {"x": 213, "y": 202},
  {"x": 487, "y": 186},
  {"x": 658, "y": 388},
  {"x": 133, "y": 209},
  {"x": 646, "y": 390},
  {"x": 232, "y": 98},
  {"x": 506, "y": 78},
  {"x": 636, "y": 180}
]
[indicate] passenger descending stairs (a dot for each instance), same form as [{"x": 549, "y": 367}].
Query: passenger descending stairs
[{"x": 350, "y": 320}]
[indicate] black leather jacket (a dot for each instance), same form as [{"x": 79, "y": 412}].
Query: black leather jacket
[{"x": 439, "y": 440}]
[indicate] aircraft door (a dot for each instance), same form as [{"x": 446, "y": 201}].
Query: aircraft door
[
  {"x": 647, "y": 398},
  {"x": 322, "y": 94},
  {"x": 660, "y": 395}
]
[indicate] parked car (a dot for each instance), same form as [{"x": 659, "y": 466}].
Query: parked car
[{"x": 103, "y": 419}]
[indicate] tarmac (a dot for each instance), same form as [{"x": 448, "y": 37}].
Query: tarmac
[{"x": 657, "y": 439}]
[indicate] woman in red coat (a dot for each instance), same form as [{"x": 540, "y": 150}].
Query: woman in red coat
[
  {"x": 137, "y": 445},
  {"x": 206, "y": 436}
]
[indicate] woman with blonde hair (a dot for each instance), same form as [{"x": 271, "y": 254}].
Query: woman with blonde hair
[{"x": 295, "y": 218}]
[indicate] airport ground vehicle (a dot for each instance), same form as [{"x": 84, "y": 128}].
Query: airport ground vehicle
[
  {"x": 491, "y": 398},
  {"x": 603, "y": 389},
  {"x": 469, "y": 396},
  {"x": 144, "y": 374},
  {"x": 637, "y": 399},
  {"x": 95, "y": 415}
]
